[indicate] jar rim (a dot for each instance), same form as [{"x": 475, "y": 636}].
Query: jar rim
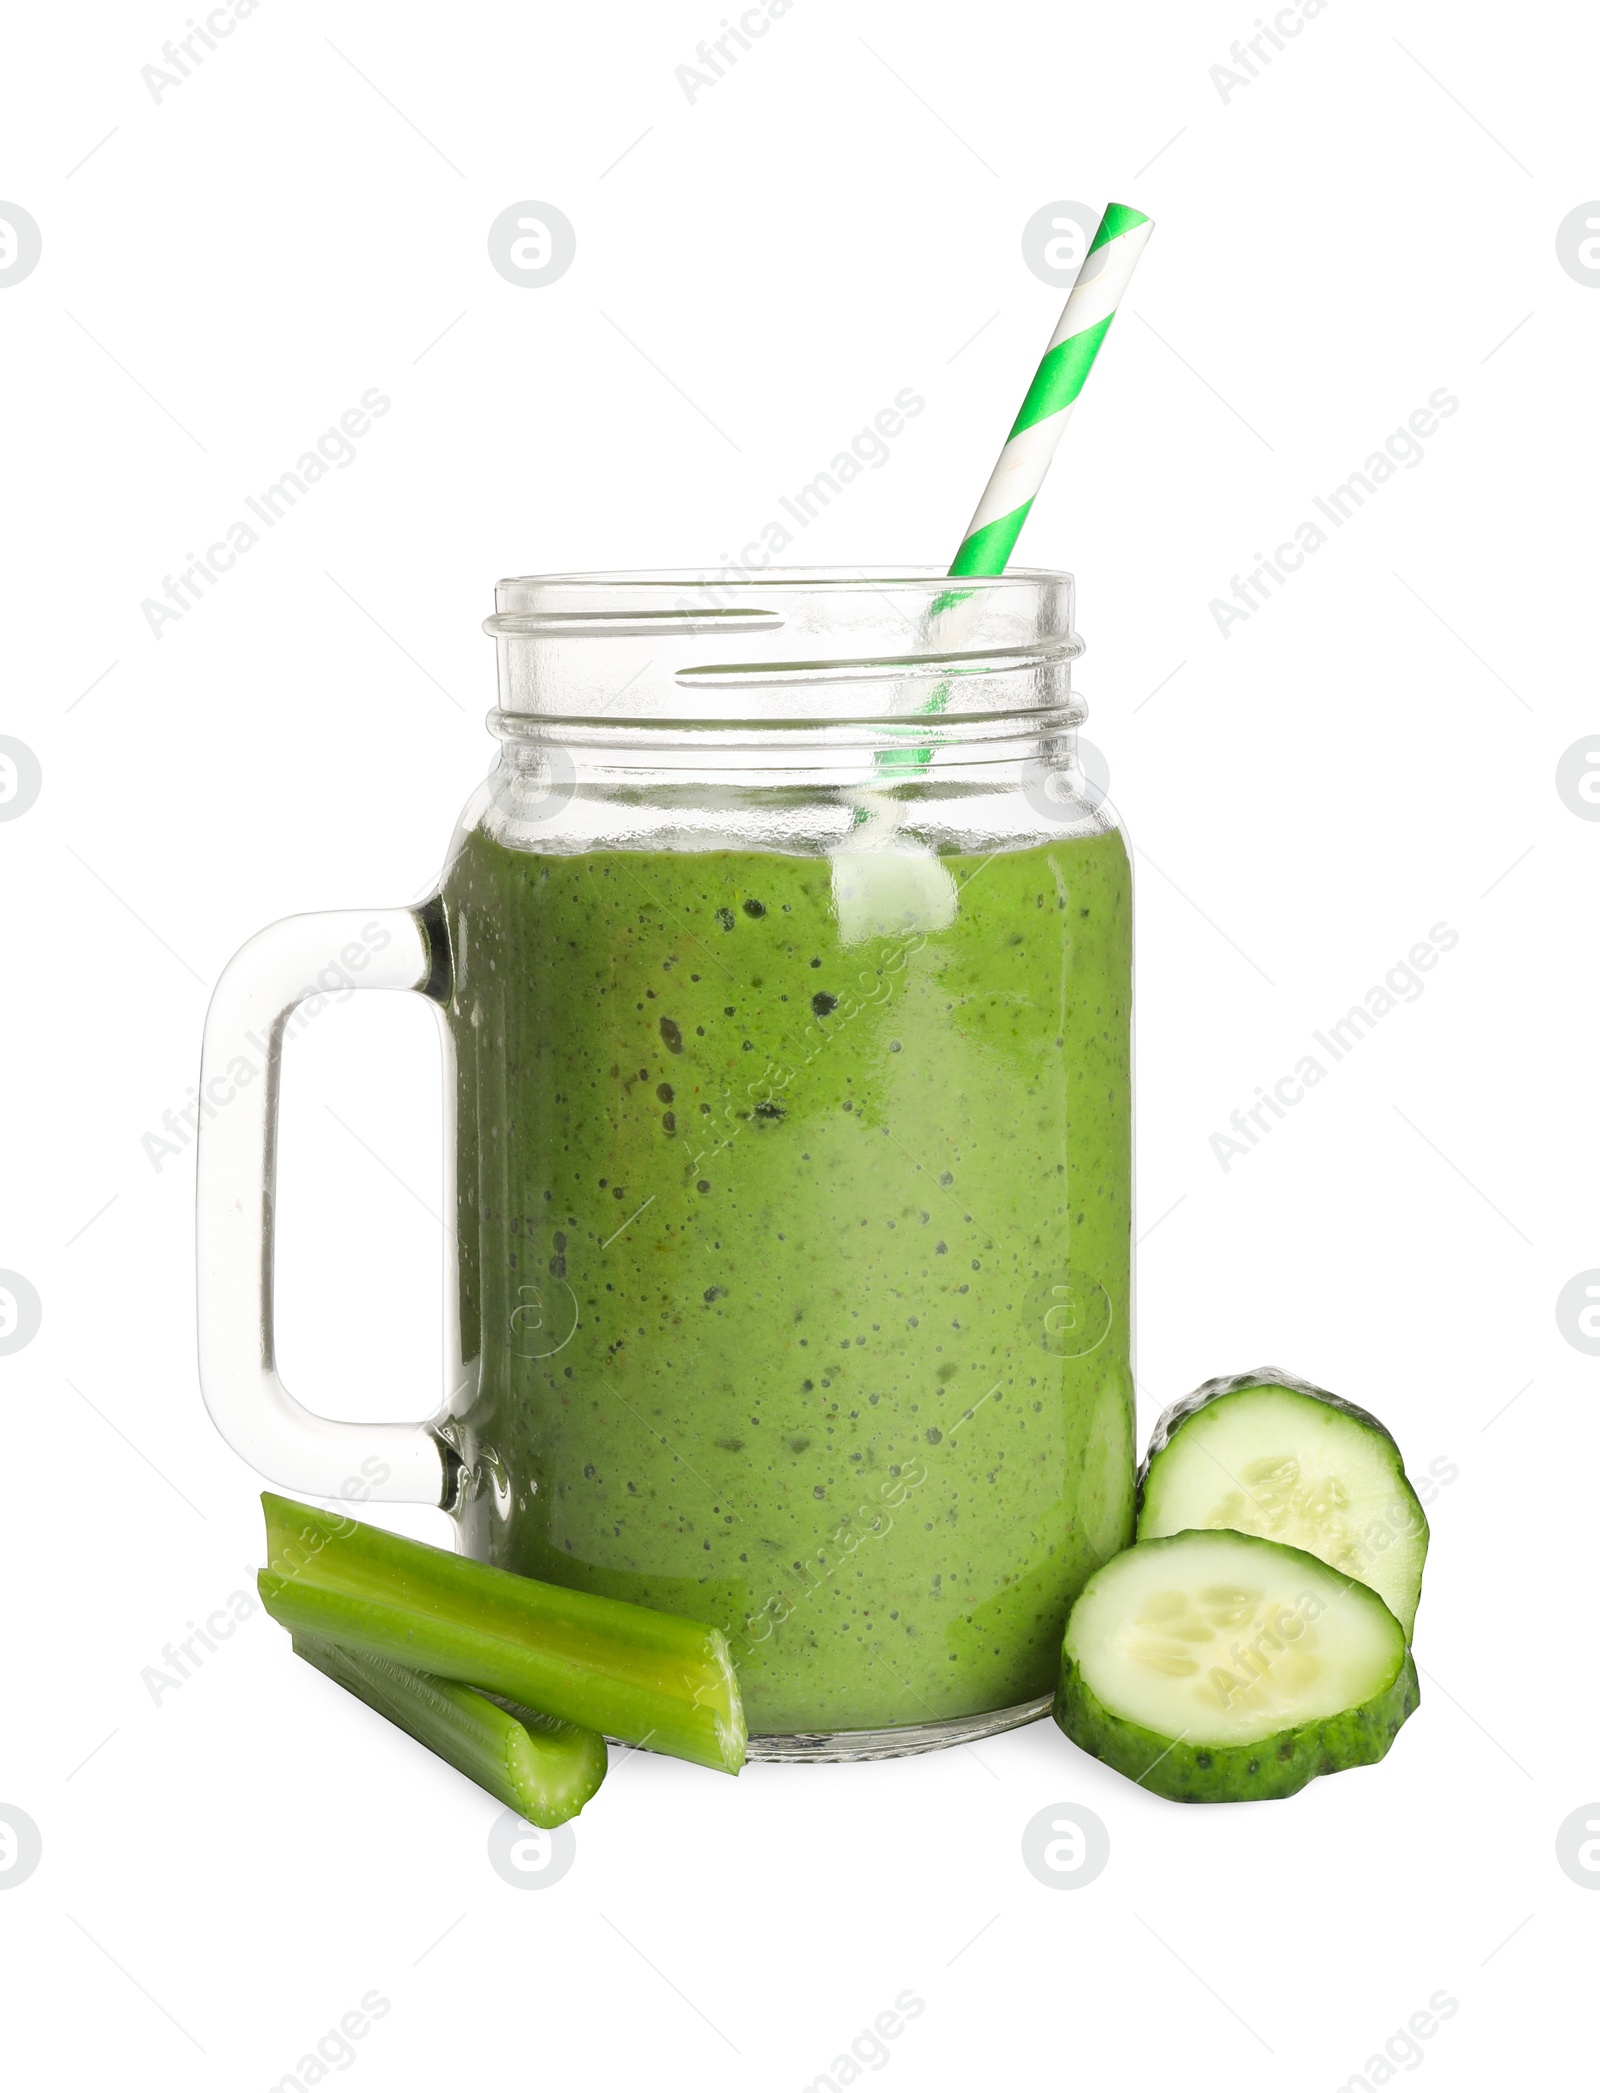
[
  {"x": 512, "y": 591},
  {"x": 801, "y": 643}
]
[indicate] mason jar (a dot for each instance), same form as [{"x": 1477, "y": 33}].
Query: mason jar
[{"x": 784, "y": 968}]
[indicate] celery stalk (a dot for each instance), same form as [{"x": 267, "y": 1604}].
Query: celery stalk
[
  {"x": 626, "y": 1671},
  {"x": 544, "y": 1770}
]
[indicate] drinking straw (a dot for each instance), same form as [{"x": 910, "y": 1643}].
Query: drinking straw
[
  {"x": 1090, "y": 308},
  {"x": 997, "y": 522}
]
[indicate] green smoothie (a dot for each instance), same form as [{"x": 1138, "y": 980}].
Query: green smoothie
[{"x": 794, "y": 1273}]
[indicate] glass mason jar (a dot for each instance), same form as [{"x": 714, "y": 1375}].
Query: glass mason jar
[{"x": 784, "y": 961}]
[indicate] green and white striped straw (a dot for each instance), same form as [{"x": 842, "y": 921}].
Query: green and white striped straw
[{"x": 1090, "y": 308}]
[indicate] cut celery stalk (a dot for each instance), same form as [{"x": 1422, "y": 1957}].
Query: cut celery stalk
[
  {"x": 625, "y": 1671},
  {"x": 543, "y": 1769}
]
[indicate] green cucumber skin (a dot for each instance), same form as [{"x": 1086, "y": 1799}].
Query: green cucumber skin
[
  {"x": 1178, "y": 1414},
  {"x": 1261, "y": 1772}
]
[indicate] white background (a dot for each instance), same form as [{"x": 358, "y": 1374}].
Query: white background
[{"x": 1374, "y": 752}]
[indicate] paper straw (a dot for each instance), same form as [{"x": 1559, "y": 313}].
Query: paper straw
[
  {"x": 1090, "y": 308},
  {"x": 1019, "y": 472}
]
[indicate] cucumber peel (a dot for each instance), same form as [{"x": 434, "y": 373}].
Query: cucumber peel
[
  {"x": 1269, "y": 1454},
  {"x": 543, "y": 1769},
  {"x": 625, "y": 1671},
  {"x": 1220, "y": 1667}
]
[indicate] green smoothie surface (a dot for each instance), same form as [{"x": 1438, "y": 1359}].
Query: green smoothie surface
[{"x": 794, "y": 1272}]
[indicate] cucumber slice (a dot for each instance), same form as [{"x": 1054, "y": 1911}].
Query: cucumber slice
[
  {"x": 1269, "y": 1454},
  {"x": 1218, "y": 1667}
]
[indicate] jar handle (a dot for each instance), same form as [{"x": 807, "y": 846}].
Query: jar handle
[{"x": 236, "y": 1166}]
